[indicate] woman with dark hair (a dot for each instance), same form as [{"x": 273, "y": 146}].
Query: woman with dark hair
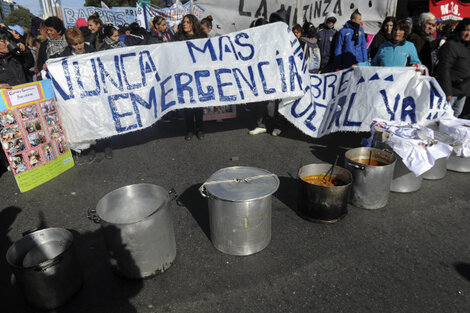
[
  {"x": 297, "y": 30},
  {"x": 384, "y": 34},
  {"x": 111, "y": 38},
  {"x": 453, "y": 69},
  {"x": 55, "y": 43},
  {"x": 137, "y": 36},
  {"x": 191, "y": 29},
  {"x": 397, "y": 51},
  {"x": 159, "y": 32},
  {"x": 95, "y": 26},
  {"x": 206, "y": 25}
]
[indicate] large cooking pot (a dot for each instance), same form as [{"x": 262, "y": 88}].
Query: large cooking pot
[
  {"x": 45, "y": 267},
  {"x": 437, "y": 171},
  {"x": 325, "y": 204},
  {"x": 372, "y": 172},
  {"x": 138, "y": 229},
  {"x": 240, "y": 208},
  {"x": 458, "y": 163}
]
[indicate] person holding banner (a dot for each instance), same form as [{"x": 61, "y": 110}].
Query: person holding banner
[
  {"x": 384, "y": 35},
  {"x": 159, "y": 32},
  {"x": 191, "y": 29},
  {"x": 351, "y": 44},
  {"x": 55, "y": 43},
  {"x": 77, "y": 44},
  {"x": 397, "y": 51},
  {"x": 453, "y": 69}
]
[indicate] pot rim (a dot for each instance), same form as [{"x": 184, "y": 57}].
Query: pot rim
[{"x": 49, "y": 260}]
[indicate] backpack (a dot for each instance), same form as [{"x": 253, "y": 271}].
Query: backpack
[{"x": 312, "y": 56}]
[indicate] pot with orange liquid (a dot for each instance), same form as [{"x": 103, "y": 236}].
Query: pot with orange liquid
[
  {"x": 322, "y": 197},
  {"x": 372, "y": 172}
]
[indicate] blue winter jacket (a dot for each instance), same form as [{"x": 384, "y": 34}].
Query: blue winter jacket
[
  {"x": 324, "y": 40},
  {"x": 398, "y": 55},
  {"x": 346, "y": 53}
]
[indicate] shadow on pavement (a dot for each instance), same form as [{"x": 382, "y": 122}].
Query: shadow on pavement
[
  {"x": 197, "y": 206},
  {"x": 463, "y": 269},
  {"x": 287, "y": 192}
]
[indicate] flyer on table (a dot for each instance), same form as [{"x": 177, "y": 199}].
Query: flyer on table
[{"x": 32, "y": 134}]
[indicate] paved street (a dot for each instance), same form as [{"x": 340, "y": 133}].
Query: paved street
[{"x": 411, "y": 256}]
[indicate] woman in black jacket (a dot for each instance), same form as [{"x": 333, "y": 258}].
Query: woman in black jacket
[
  {"x": 191, "y": 29},
  {"x": 384, "y": 35},
  {"x": 453, "y": 69},
  {"x": 55, "y": 43},
  {"x": 159, "y": 32},
  {"x": 77, "y": 44},
  {"x": 11, "y": 62},
  {"x": 111, "y": 38}
]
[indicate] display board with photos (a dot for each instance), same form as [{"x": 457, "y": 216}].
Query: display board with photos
[{"x": 32, "y": 135}]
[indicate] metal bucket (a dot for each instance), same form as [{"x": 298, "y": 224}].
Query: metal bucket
[
  {"x": 324, "y": 204},
  {"x": 438, "y": 171},
  {"x": 240, "y": 208},
  {"x": 371, "y": 184},
  {"x": 138, "y": 229},
  {"x": 458, "y": 164},
  {"x": 45, "y": 267}
]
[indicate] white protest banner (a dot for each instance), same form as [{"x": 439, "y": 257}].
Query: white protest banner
[
  {"x": 116, "y": 15},
  {"x": 351, "y": 99},
  {"x": 233, "y": 15},
  {"x": 117, "y": 91}
]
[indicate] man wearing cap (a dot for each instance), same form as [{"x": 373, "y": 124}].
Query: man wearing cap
[{"x": 325, "y": 35}]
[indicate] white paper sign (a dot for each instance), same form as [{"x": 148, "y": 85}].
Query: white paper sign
[{"x": 23, "y": 95}]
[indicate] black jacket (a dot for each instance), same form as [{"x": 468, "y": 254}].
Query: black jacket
[
  {"x": 68, "y": 51},
  {"x": 453, "y": 69},
  {"x": 379, "y": 39},
  {"x": 12, "y": 70},
  {"x": 155, "y": 38},
  {"x": 135, "y": 40}
]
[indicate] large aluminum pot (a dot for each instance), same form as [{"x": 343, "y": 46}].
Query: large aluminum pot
[
  {"x": 240, "y": 208},
  {"x": 404, "y": 180},
  {"x": 438, "y": 171},
  {"x": 325, "y": 204},
  {"x": 371, "y": 183},
  {"x": 45, "y": 267},
  {"x": 138, "y": 229},
  {"x": 458, "y": 164}
]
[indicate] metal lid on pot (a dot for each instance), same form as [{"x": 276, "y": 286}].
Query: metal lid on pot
[{"x": 241, "y": 183}]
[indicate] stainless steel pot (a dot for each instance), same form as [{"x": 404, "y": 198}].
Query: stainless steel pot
[
  {"x": 45, "y": 267},
  {"x": 138, "y": 229},
  {"x": 240, "y": 208},
  {"x": 371, "y": 184},
  {"x": 325, "y": 204},
  {"x": 438, "y": 171}
]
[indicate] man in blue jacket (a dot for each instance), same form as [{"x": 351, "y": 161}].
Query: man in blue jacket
[{"x": 351, "y": 45}]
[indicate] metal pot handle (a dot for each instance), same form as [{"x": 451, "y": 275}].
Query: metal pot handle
[
  {"x": 173, "y": 194},
  {"x": 357, "y": 166},
  {"x": 91, "y": 214},
  {"x": 47, "y": 264},
  {"x": 202, "y": 191}
]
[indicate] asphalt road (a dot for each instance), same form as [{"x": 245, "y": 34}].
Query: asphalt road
[{"x": 411, "y": 256}]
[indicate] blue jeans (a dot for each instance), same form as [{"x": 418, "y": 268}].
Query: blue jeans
[{"x": 457, "y": 104}]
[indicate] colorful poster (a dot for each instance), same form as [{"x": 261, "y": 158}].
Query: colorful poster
[{"x": 32, "y": 135}]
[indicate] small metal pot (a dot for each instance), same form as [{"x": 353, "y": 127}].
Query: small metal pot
[
  {"x": 138, "y": 229},
  {"x": 240, "y": 208},
  {"x": 458, "y": 164},
  {"x": 371, "y": 184},
  {"x": 324, "y": 204},
  {"x": 45, "y": 267}
]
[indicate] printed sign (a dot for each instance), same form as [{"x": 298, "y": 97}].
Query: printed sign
[
  {"x": 449, "y": 9},
  {"x": 116, "y": 15},
  {"x": 32, "y": 135},
  {"x": 351, "y": 99},
  {"x": 116, "y": 91}
]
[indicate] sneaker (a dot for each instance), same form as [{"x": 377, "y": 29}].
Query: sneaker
[
  {"x": 108, "y": 153},
  {"x": 188, "y": 136},
  {"x": 276, "y": 132},
  {"x": 257, "y": 131},
  {"x": 200, "y": 135}
]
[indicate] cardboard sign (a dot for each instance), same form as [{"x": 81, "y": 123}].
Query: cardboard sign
[{"x": 32, "y": 134}]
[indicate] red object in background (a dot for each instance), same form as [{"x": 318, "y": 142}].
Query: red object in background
[{"x": 449, "y": 9}]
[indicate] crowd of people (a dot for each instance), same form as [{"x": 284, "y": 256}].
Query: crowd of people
[{"x": 440, "y": 50}]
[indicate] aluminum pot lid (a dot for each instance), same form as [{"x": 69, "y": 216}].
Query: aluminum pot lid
[{"x": 241, "y": 183}]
